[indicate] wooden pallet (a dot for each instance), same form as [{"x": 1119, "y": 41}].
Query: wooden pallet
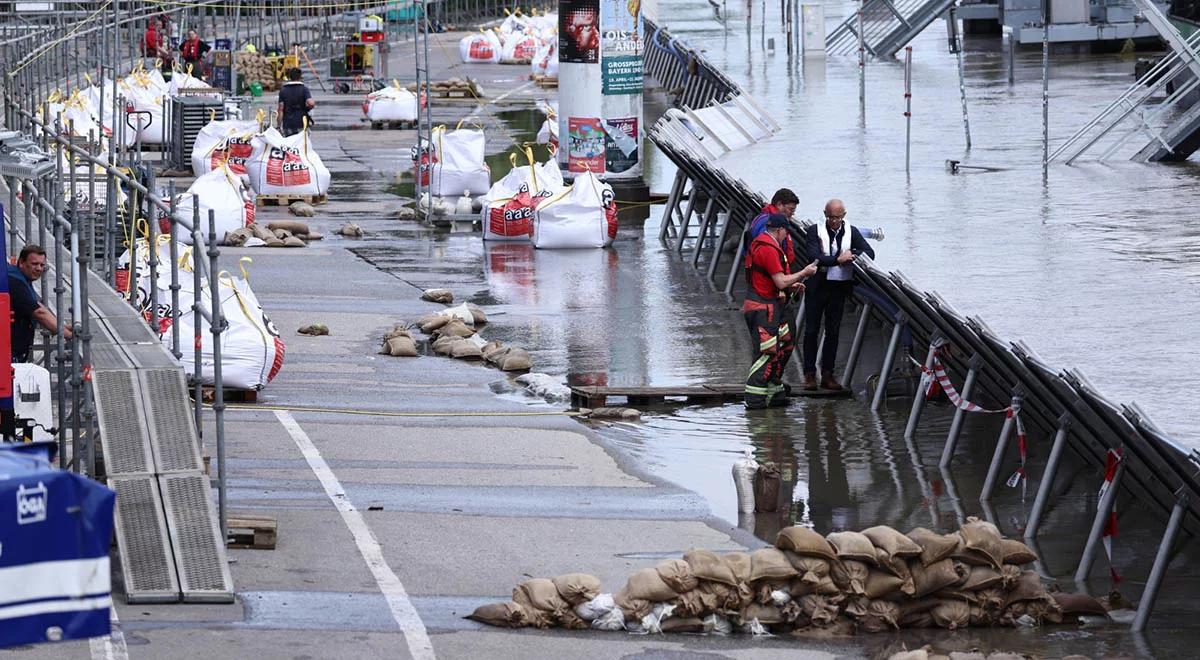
[
  {"x": 393, "y": 125},
  {"x": 590, "y": 396},
  {"x": 286, "y": 200},
  {"x": 251, "y": 532},
  {"x": 546, "y": 82},
  {"x": 231, "y": 395}
]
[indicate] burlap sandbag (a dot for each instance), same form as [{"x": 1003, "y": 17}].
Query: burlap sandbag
[
  {"x": 454, "y": 328},
  {"x": 515, "y": 359},
  {"x": 1028, "y": 587},
  {"x": 706, "y": 565},
  {"x": 502, "y": 615},
  {"x": 809, "y": 569},
  {"x": 539, "y": 594},
  {"x": 1017, "y": 553},
  {"x": 633, "y": 608},
  {"x": 982, "y": 577},
  {"x": 432, "y": 322},
  {"x": 880, "y": 584},
  {"x": 493, "y": 349},
  {"x": 991, "y": 599},
  {"x": 936, "y": 576},
  {"x": 465, "y": 350},
  {"x": 982, "y": 618},
  {"x": 675, "y": 624},
  {"x": 739, "y": 564},
  {"x": 765, "y": 614},
  {"x": 916, "y": 606},
  {"x": 770, "y": 564},
  {"x": 850, "y": 576},
  {"x": 695, "y": 603},
  {"x": 1076, "y": 604},
  {"x": 881, "y": 616},
  {"x": 917, "y": 621},
  {"x": 727, "y": 597},
  {"x": 898, "y": 567},
  {"x": 934, "y": 547},
  {"x": 804, "y": 542},
  {"x": 645, "y": 584},
  {"x": 982, "y": 538},
  {"x": 855, "y": 606},
  {"x": 401, "y": 346},
  {"x": 1041, "y": 611},
  {"x": 956, "y": 593},
  {"x": 281, "y": 234},
  {"x": 477, "y": 314},
  {"x": 444, "y": 296},
  {"x": 237, "y": 237},
  {"x": 444, "y": 345},
  {"x": 292, "y": 226},
  {"x": 825, "y": 587},
  {"x": 818, "y": 610},
  {"x": 261, "y": 232},
  {"x": 891, "y": 541},
  {"x": 570, "y": 620},
  {"x": 677, "y": 574},
  {"x": 576, "y": 588},
  {"x": 764, "y": 590},
  {"x": 398, "y": 330},
  {"x": 951, "y": 615},
  {"x": 852, "y": 545},
  {"x": 1009, "y": 574}
]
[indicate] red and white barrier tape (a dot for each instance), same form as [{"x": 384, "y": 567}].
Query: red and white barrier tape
[
  {"x": 1111, "y": 461},
  {"x": 1019, "y": 477},
  {"x": 939, "y": 378}
]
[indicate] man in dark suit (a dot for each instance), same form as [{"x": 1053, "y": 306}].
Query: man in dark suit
[{"x": 834, "y": 245}]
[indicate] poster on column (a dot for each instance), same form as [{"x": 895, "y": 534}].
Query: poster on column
[
  {"x": 621, "y": 47},
  {"x": 579, "y": 31},
  {"x": 620, "y": 143},
  {"x": 585, "y": 145}
]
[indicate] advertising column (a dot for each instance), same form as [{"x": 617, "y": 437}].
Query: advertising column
[
  {"x": 580, "y": 101},
  {"x": 621, "y": 77}
]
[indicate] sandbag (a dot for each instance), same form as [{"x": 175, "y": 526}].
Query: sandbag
[
  {"x": 770, "y": 563},
  {"x": 222, "y": 192},
  {"x": 633, "y": 609},
  {"x": 293, "y": 226},
  {"x": 706, "y": 565},
  {"x": 539, "y": 594},
  {"x": 1028, "y": 587},
  {"x": 391, "y": 103},
  {"x": 458, "y": 163},
  {"x": 577, "y": 588},
  {"x": 583, "y": 215},
  {"x": 444, "y": 296},
  {"x": 401, "y": 346},
  {"x": 880, "y": 584},
  {"x": 824, "y": 586},
  {"x": 934, "y": 547},
  {"x": 1015, "y": 552},
  {"x": 646, "y": 584},
  {"x": 677, "y": 574},
  {"x": 740, "y": 564},
  {"x": 764, "y": 614},
  {"x": 1077, "y": 604},
  {"x": 951, "y": 615},
  {"x": 465, "y": 350},
  {"x": 892, "y": 542},
  {"x": 804, "y": 541},
  {"x": 810, "y": 569},
  {"x": 287, "y": 166},
  {"x": 850, "y": 576},
  {"x": 593, "y": 609},
  {"x": 983, "y": 539},
  {"x": 481, "y": 47},
  {"x": 228, "y": 142},
  {"x": 727, "y": 597},
  {"x": 853, "y": 545},
  {"x": 514, "y": 359},
  {"x": 501, "y": 615},
  {"x": 818, "y": 610},
  {"x": 936, "y": 576},
  {"x": 981, "y": 577},
  {"x": 881, "y": 615}
]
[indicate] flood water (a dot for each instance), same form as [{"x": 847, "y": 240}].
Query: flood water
[{"x": 1096, "y": 269}]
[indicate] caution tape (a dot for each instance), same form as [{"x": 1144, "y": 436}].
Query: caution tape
[
  {"x": 1019, "y": 477},
  {"x": 939, "y": 378},
  {"x": 1111, "y": 461}
]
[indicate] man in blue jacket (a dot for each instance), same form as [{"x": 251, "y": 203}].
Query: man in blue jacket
[
  {"x": 834, "y": 245},
  {"x": 27, "y": 310}
]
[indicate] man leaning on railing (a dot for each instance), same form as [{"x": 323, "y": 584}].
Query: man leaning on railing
[{"x": 26, "y": 308}]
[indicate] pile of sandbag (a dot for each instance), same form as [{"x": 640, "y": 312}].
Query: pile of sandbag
[
  {"x": 454, "y": 332},
  {"x": 508, "y": 208},
  {"x": 229, "y": 142},
  {"x": 277, "y": 233},
  {"x": 392, "y": 103},
  {"x": 583, "y": 215},
  {"x": 871, "y": 581},
  {"x": 519, "y": 39},
  {"x": 253, "y": 66}
]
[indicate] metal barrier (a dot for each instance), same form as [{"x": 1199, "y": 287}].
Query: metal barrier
[{"x": 1052, "y": 403}]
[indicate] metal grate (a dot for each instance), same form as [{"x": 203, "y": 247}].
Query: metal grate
[
  {"x": 195, "y": 535},
  {"x": 142, "y": 538},
  {"x": 109, "y": 356},
  {"x": 172, "y": 428},
  {"x": 129, "y": 329},
  {"x": 123, "y": 435},
  {"x": 153, "y": 355}
]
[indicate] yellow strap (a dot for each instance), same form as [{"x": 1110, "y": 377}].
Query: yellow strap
[
  {"x": 88, "y": 78},
  {"x": 212, "y": 114},
  {"x": 243, "y": 265}
]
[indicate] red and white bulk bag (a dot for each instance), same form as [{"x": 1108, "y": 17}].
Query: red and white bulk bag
[
  {"x": 458, "y": 165},
  {"x": 287, "y": 166},
  {"x": 251, "y": 350},
  {"x": 481, "y": 47},
  {"x": 581, "y": 216},
  {"x": 226, "y": 194},
  {"x": 229, "y": 142},
  {"x": 519, "y": 48},
  {"x": 541, "y": 59},
  {"x": 391, "y": 104}
]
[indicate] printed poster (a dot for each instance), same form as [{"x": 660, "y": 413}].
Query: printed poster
[
  {"x": 585, "y": 145},
  {"x": 286, "y": 169},
  {"x": 579, "y": 31},
  {"x": 621, "y": 47},
  {"x": 620, "y": 144}
]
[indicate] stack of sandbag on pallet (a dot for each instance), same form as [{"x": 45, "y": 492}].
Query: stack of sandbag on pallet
[
  {"x": 583, "y": 215},
  {"x": 253, "y": 66},
  {"x": 509, "y": 206},
  {"x": 870, "y": 581},
  {"x": 392, "y": 103}
]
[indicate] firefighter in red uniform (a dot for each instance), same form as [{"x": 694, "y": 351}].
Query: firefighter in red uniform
[{"x": 770, "y": 283}]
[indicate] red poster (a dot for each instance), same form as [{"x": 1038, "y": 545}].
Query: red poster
[
  {"x": 285, "y": 168},
  {"x": 585, "y": 145}
]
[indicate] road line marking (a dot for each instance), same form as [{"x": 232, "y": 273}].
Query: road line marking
[
  {"x": 401, "y": 607},
  {"x": 111, "y": 646}
]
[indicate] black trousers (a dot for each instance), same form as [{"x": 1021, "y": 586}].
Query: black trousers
[{"x": 824, "y": 301}]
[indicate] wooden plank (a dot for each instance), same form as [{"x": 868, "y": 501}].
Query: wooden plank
[
  {"x": 252, "y": 531},
  {"x": 286, "y": 200}
]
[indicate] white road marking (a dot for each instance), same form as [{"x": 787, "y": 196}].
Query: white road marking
[
  {"x": 111, "y": 646},
  {"x": 401, "y": 607}
]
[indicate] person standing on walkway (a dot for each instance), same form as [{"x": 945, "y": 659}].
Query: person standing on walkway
[
  {"x": 834, "y": 248},
  {"x": 294, "y": 103},
  {"x": 769, "y": 284},
  {"x": 26, "y": 308},
  {"x": 192, "y": 52}
]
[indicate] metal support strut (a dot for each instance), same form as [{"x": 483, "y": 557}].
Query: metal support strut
[
  {"x": 889, "y": 358},
  {"x": 956, "y": 425},
  {"x": 1006, "y": 432},
  {"x": 1047, "y": 482},
  {"x": 914, "y": 415},
  {"x": 1159, "y": 570},
  {"x": 1103, "y": 509},
  {"x": 855, "y": 346}
]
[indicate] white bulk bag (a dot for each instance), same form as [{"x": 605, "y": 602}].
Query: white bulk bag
[
  {"x": 541, "y": 59},
  {"x": 225, "y": 194},
  {"x": 229, "y": 142},
  {"x": 480, "y": 47},
  {"x": 103, "y": 112},
  {"x": 508, "y": 208},
  {"x": 519, "y": 49},
  {"x": 145, "y": 90},
  {"x": 458, "y": 163},
  {"x": 391, "y": 104},
  {"x": 582, "y": 216},
  {"x": 548, "y": 133},
  {"x": 251, "y": 350},
  {"x": 287, "y": 166},
  {"x": 513, "y": 23},
  {"x": 181, "y": 80}
]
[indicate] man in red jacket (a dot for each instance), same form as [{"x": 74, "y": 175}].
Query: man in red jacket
[{"x": 769, "y": 284}]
